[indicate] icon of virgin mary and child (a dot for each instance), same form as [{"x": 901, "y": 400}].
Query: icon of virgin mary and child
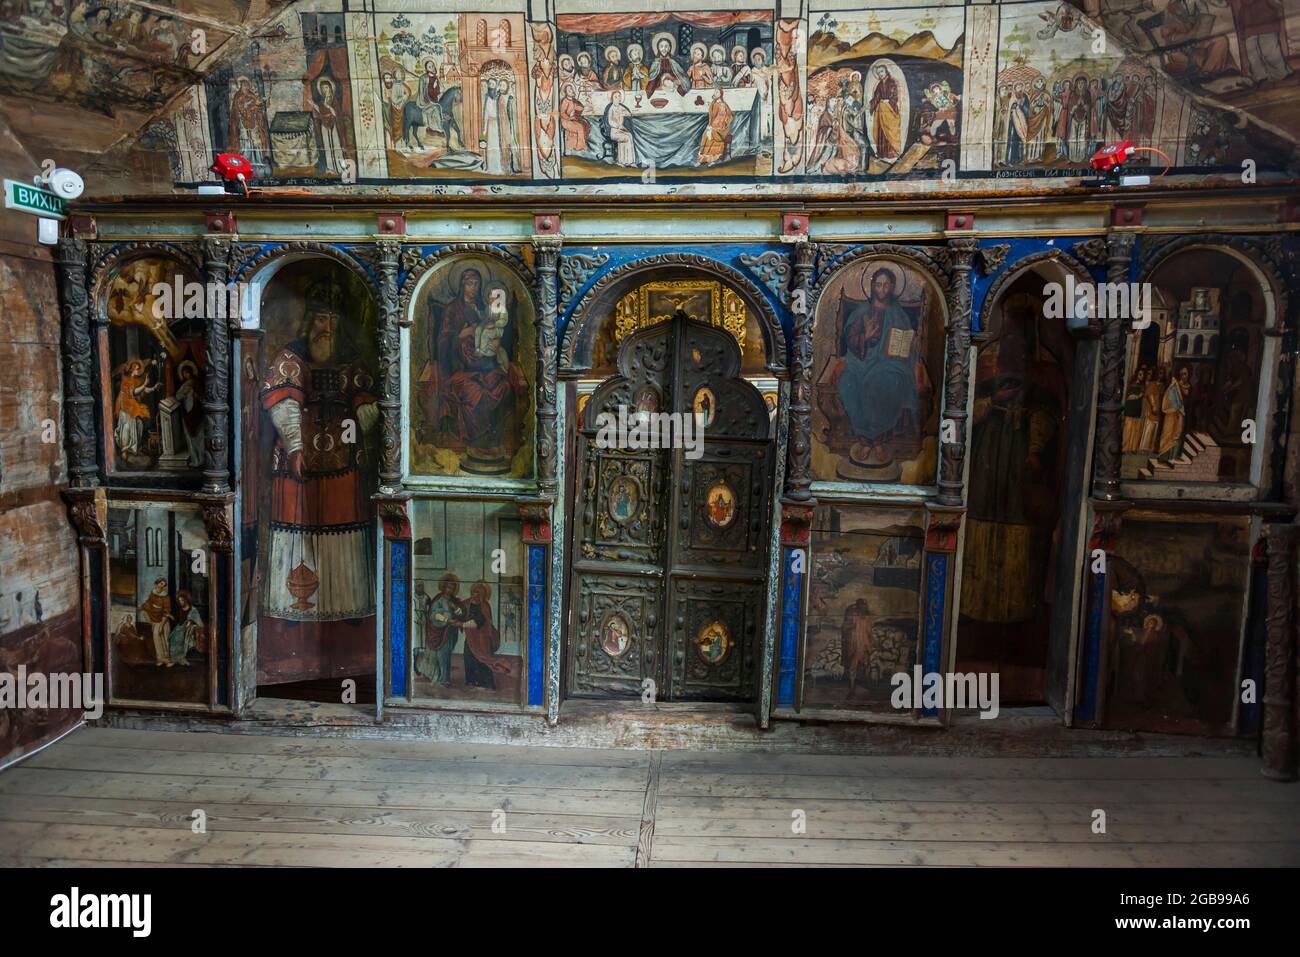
[
  {"x": 473, "y": 393},
  {"x": 874, "y": 389}
]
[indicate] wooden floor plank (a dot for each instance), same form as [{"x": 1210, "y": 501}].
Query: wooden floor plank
[
  {"x": 328, "y": 768},
  {"x": 118, "y": 797},
  {"x": 303, "y": 818},
  {"x": 254, "y": 849},
  {"x": 224, "y": 790},
  {"x": 410, "y": 750},
  {"x": 1093, "y": 769},
  {"x": 976, "y": 854}
]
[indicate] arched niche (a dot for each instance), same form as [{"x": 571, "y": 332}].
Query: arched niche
[
  {"x": 256, "y": 275},
  {"x": 311, "y": 444},
  {"x": 472, "y": 365},
  {"x": 1198, "y": 376},
  {"x": 151, "y": 306},
  {"x": 1017, "y": 523},
  {"x": 878, "y": 369},
  {"x": 600, "y": 307}
]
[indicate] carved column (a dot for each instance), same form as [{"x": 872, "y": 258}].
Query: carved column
[
  {"x": 390, "y": 366},
  {"x": 1278, "y": 743},
  {"x": 547, "y": 250},
  {"x": 798, "y": 470},
  {"x": 952, "y": 456},
  {"x": 78, "y": 363},
  {"x": 216, "y": 375},
  {"x": 1110, "y": 389}
]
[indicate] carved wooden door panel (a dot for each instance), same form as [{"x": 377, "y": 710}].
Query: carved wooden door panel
[
  {"x": 670, "y": 548},
  {"x": 616, "y": 596},
  {"x": 718, "y": 538}
]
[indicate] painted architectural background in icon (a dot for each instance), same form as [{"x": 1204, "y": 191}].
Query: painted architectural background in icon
[
  {"x": 1193, "y": 373},
  {"x": 468, "y": 603},
  {"x": 158, "y": 611},
  {"x": 472, "y": 371}
]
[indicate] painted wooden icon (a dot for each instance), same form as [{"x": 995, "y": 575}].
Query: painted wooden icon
[
  {"x": 317, "y": 434},
  {"x": 1193, "y": 374},
  {"x": 469, "y": 603},
  {"x": 471, "y": 378},
  {"x": 454, "y": 94},
  {"x": 647, "y": 399},
  {"x": 864, "y": 604},
  {"x": 159, "y": 616},
  {"x": 287, "y": 106},
  {"x": 883, "y": 101},
  {"x": 616, "y": 636},
  {"x": 1017, "y": 446},
  {"x": 878, "y": 354},
  {"x": 673, "y": 92},
  {"x": 705, "y": 405},
  {"x": 1177, "y": 586},
  {"x": 720, "y": 504},
  {"x": 624, "y": 499},
  {"x": 713, "y": 642},
  {"x": 155, "y": 375},
  {"x": 1059, "y": 99}
]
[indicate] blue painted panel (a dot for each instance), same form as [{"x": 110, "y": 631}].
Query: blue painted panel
[
  {"x": 936, "y": 594},
  {"x": 399, "y": 557},
  {"x": 1087, "y": 707},
  {"x": 1020, "y": 248},
  {"x": 791, "y": 598},
  {"x": 728, "y": 253},
  {"x": 536, "y": 622}
]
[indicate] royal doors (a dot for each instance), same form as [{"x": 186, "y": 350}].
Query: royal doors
[{"x": 672, "y": 505}]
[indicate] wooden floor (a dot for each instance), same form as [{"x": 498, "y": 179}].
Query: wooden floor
[{"x": 114, "y": 796}]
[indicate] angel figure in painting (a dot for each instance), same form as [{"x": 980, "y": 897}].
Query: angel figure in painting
[{"x": 130, "y": 413}]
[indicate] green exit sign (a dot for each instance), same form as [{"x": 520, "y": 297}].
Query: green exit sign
[{"x": 33, "y": 199}]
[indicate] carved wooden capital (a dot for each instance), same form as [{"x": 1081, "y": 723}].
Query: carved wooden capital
[
  {"x": 395, "y": 517},
  {"x": 942, "y": 529},
  {"x": 86, "y": 508},
  {"x": 536, "y": 516},
  {"x": 796, "y": 521},
  {"x": 216, "y": 519}
]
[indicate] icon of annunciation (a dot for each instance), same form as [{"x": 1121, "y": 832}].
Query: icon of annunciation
[
  {"x": 472, "y": 349},
  {"x": 155, "y": 376},
  {"x": 878, "y": 374}
]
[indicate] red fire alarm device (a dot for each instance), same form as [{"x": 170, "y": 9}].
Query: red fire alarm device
[
  {"x": 232, "y": 168},
  {"x": 1107, "y": 159}
]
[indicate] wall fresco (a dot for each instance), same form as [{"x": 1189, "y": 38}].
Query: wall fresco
[{"x": 684, "y": 96}]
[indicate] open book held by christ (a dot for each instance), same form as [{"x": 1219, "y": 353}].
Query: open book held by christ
[{"x": 900, "y": 343}]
